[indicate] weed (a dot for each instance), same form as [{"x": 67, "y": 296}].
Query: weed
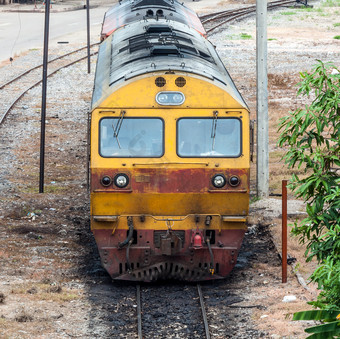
[
  {"x": 306, "y": 9},
  {"x": 336, "y": 24},
  {"x": 58, "y": 297},
  {"x": 54, "y": 289},
  {"x": 254, "y": 199},
  {"x": 55, "y": 189},
  {"x": 337, "y": 37},
  {"x": 245, "y": 36},
  {"x": 23, "y": 316},
  {"x": 288, "y": 13},
  {"x": 29, "y": 189},
  {"x": 331, "y": 3},
  {"x": 231, "y": 37},
  {"x": 271, "y": 39},
  {"x": 32, "y": 290}
]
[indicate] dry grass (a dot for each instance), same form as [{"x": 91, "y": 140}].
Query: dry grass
[
  {"x": 23, "y": 317},
  {"x": 48, "y": 292}
]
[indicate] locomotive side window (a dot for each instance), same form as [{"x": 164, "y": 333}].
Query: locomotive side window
[
  {"x": 209, "y": 137},
  {"x": 131, "y": 137}
]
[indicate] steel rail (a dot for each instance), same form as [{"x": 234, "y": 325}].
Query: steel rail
[
  {"x": 37, "y": 83},
  {"x": 242, "y": 12},
  {"x": 139, "y": 313},
  {"x": 211, "y": 16},
  {"x": 204, "y": 314},
  {"x": 39, "y": 66}
]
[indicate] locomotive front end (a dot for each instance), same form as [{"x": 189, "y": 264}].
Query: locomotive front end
[
  {"x": 169, "y": 178},
  {"x": 169, "y": 148}
]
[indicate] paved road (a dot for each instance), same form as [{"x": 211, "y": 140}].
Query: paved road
[{"x": 23, "y": 31}]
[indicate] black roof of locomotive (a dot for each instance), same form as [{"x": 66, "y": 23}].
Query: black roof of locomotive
[{"x": 151, "y": 45}]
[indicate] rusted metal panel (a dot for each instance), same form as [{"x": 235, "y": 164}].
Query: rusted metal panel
[
  {"x": 146, "y": 262},
  {"x": 160, "y": 180}
]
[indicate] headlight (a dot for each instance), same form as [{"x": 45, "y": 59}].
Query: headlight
[
  {"x": 106, "y": 180},
  {"x": 234, "y": 181},
  {"x": 170, "y": 98},
  {"x": 162, "y": 98},
  {"x": 218, "y": 180},
  {"x": 121, "y": 180}
]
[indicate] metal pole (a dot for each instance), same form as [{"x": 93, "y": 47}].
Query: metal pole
[
  {"x": 284, "y": 231},
  {"x": 262, "y": 164},
  {"x": 43, "y": 101},
  {"x": 88, "y": 36}
]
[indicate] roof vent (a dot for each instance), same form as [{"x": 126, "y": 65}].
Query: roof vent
[
  {"x": 160, "y": 82},
  {"x": 164, "y": 50},
  {"x": 180, "y": 82},
  {"x": 158, "y": 29},
  {"x": 158, "y": 3}
]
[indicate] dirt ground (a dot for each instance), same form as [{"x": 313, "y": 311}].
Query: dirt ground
[{"x": 50, "y": 275}]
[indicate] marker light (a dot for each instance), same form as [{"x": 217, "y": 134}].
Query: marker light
[
  {"x": 106, "y": 180},
  {"x": 121, "y": 180},
  {"x": 218, "y": 181},
  {"x": 170, "y": 98},
  {"x": 234, "y": 181}
]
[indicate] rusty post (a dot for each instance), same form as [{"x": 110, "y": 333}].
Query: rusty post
[{"x": 284, "y": 231}]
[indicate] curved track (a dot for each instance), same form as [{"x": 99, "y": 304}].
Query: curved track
[
  {"x": 215, "y": 20},
  {"x": 32, "y": 77}
]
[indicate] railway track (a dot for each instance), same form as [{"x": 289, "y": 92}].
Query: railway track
[
  {"x": 215, "y": 20},
  {"x": 195, "y": 322},
  {"x": 220, "y": 309},
  {"x": 32, "y": 78}
]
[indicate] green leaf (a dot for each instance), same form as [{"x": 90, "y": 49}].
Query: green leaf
[
  {"x": 315, "y": 315},
  {"x": 321, "y": 336},
  {"x": 331, "y": 328}
]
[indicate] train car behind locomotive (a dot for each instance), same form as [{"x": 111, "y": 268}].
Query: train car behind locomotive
[{"x": 169, "y": 148}]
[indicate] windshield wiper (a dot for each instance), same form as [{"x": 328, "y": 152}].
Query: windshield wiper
[
  {"x": 118, "y": 126},
  {"x": 213, "y": 129}
]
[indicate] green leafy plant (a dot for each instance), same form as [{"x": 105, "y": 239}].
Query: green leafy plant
[
  {"x": 288, "y": 13},
  {"x": 312, "y": 138},
  {"x": 245, "y": 36},
  {"x": 328, "y": 329},
  {"x": 337, "y": 37},
  {"x": 331, "y": 3}
]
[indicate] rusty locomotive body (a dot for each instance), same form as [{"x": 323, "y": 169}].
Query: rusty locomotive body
[{"x": 169, "y": 148}]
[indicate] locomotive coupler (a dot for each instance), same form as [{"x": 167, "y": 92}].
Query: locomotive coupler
[{"x": 171, "y": 243}]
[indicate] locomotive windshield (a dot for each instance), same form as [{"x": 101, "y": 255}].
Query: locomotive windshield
[
  {"x": 209, "y": 137},
  {"x": 131, "y": 137}
]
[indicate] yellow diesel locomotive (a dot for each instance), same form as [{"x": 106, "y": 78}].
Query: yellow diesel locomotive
[{"x": 169, "y": 158}]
